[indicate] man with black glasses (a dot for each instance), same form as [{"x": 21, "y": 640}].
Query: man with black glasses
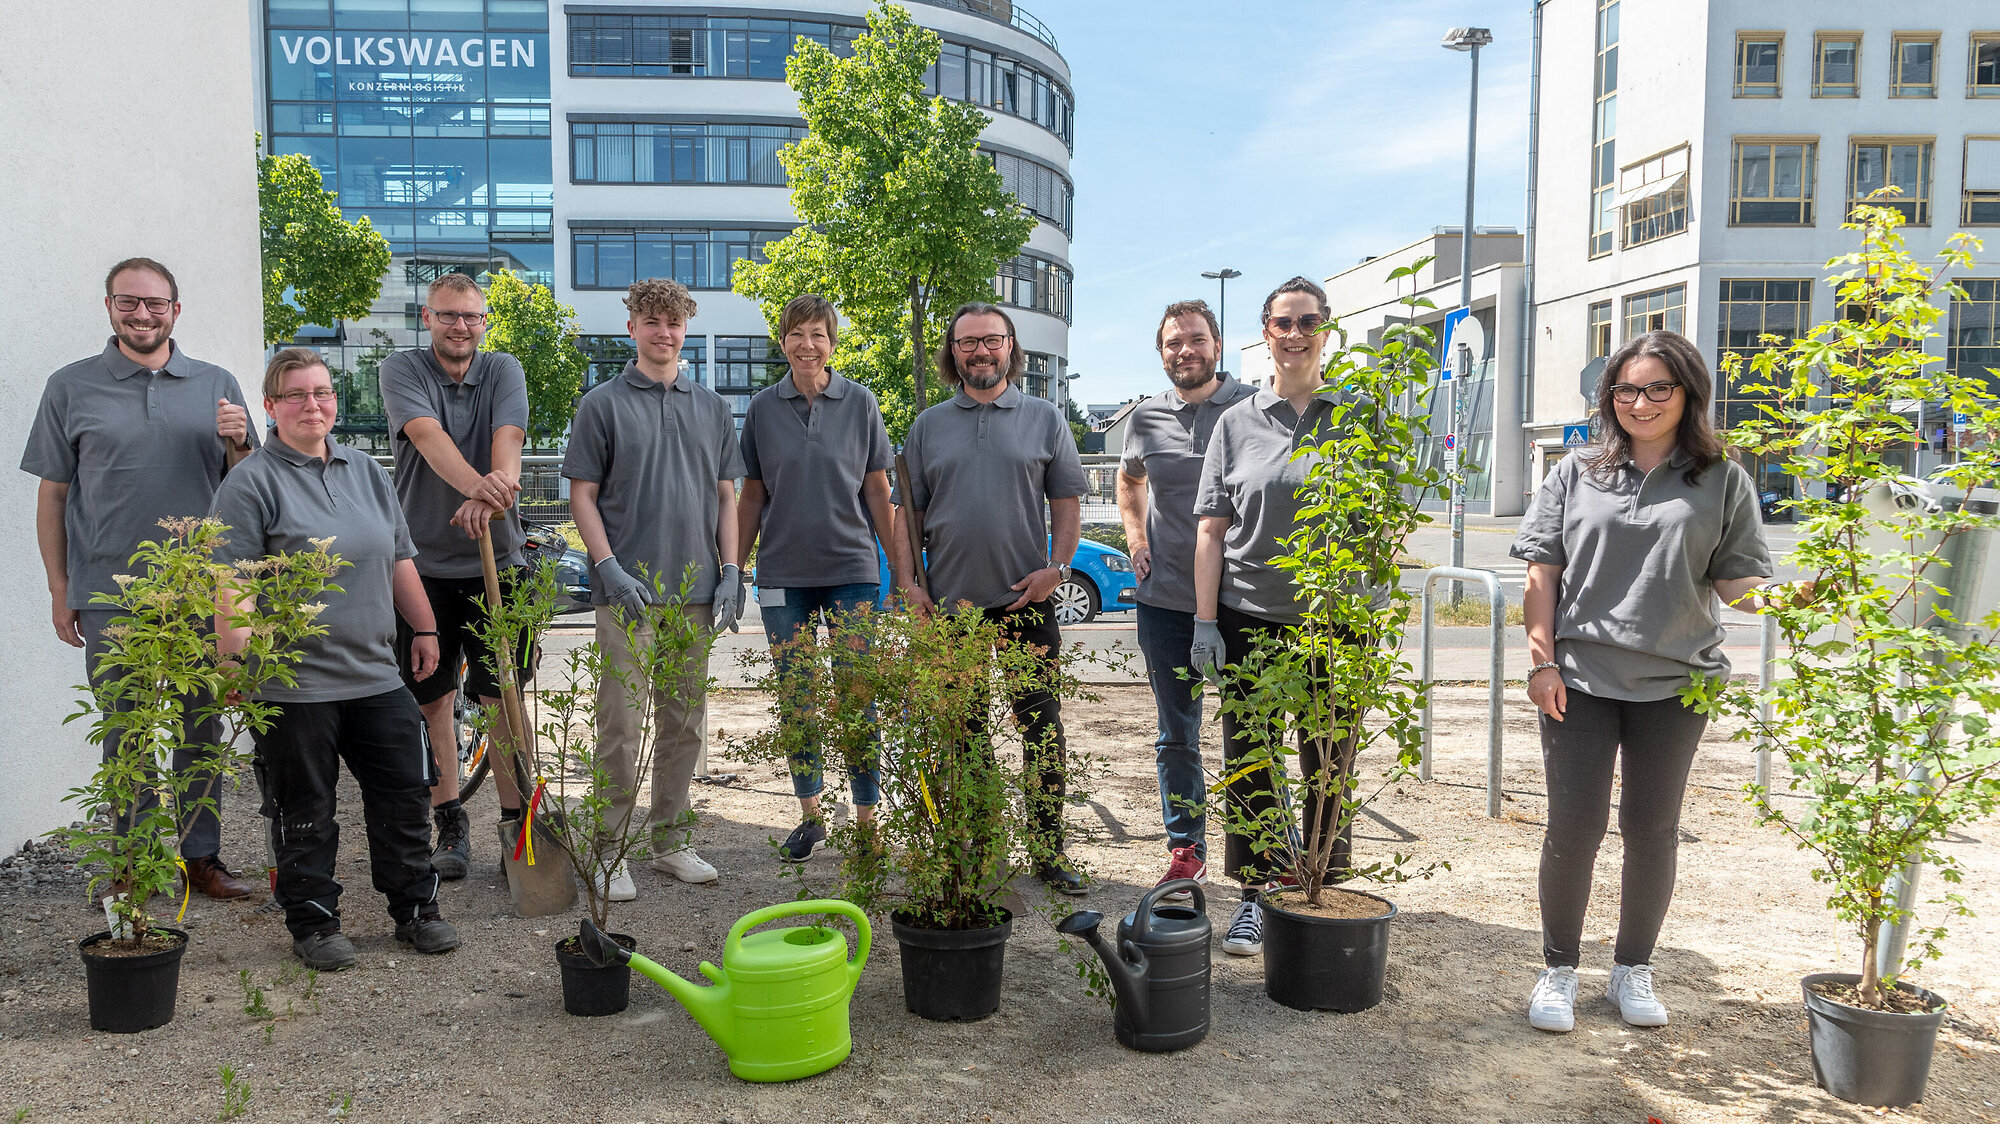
[
  {"x": 123, "y": 439},
  {"x": 457, "y": 419},
  {"x": 982, "y": 466}
]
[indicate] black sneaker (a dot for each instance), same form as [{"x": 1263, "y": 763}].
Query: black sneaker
[
  {"x": 427, "y": 934},
  {"x": 324, "y": 952},
  {"x": 452, "y": 855},
  {"x": 806, "y": 838},
  {"x": 1062, "y": 878}
]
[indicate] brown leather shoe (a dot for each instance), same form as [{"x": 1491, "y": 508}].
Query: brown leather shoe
[{"x": 209, "y": 876}]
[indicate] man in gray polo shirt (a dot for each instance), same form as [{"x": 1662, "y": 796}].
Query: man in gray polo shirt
[
  {"x": 457, "y": 420},
  {"x": 982, "y": 466},
  {"x": 653, "y": 465},
  {"x": 122, "y": 440},
  {"x": 1158, "y": 477}
]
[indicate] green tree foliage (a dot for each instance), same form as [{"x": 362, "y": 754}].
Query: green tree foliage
[
  {"x": 529, "y": 323},
  {"x": 318, "y": 267},
  {"x": 1889, "y": 679},
  {"x": 904, "y": 219}
]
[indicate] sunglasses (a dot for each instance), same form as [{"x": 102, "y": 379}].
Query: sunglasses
[
  {"x": 1307, "y": 323},
  {"x": 1654, "y": 392}
]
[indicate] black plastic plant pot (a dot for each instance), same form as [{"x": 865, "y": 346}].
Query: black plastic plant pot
[
  {"x": 1874, "y": 1058},
  {"x": 129, "y": 994},
  {"x": 588, "y": 990},
  {"x": 1326, "y": 963},
  {"x": 952, "y": 975}
]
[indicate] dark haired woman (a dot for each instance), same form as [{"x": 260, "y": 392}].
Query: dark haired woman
[
  {"x": 1629, "y": 544},
  {"x": 1247, "y": 504}
]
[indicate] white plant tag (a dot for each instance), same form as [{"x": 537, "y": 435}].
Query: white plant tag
[
  {"x": 768, "y": 598},
  {"x": 121, "y": 929}
]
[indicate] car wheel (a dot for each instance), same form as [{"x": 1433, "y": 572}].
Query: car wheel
[{"x": 1075, "y": 600}]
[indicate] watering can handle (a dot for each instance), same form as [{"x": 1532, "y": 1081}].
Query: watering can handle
[
  {"x": 772, "y": 913},
  {"x": 1142, "y": 924}
]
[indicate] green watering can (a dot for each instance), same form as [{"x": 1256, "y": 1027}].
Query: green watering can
[{"x": 779, "y": 1004}]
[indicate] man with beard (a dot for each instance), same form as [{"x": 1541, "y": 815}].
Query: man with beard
[
  {"x": 981, "y": 467},
  {"x": 1157, "y": 480},
  {"x": 123, "y": 439},
  {"x": 457, "y": 419}
]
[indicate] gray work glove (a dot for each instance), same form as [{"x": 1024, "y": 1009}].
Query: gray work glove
[
  {"x": 621, "y": 589},
  {"x": 728, "y": 597},
  {"x": 1206, "y": 657}
]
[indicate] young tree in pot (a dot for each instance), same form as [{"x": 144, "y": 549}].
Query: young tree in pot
[
  {"x": 1336, "y": 679},
  {"x": 159, "y": 683},
  {"x": 955, "y": 823},
  {"x": 573, "y": 799},
  {"x": 1891, "y": 658}
]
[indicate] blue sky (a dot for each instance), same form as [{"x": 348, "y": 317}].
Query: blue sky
[{"x": 1281, "y": 138}]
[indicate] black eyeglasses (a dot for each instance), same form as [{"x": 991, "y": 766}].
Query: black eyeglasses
[
  {"x": 1307, "y": 323},
  {"x": 1654, "y": 392},
  {"x": 969, "y": 344},
  {"x": 298, "y": 397},
  {"x": 158, "y": 306},
  {"x": 452, "y": 319}
]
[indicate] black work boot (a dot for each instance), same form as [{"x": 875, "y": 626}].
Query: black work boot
[
  {"x": 427, "y": 934},
  {"x": 451, "y": 856}
]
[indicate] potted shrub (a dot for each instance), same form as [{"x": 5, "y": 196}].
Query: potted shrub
[
  {"x": 1890, "y": 669},
  {"x": 1337, "y": 678},
  {"x": 570, "y": 790},
  {"x": 161, "y": 678},
  {"x": 953, "y": 826}
]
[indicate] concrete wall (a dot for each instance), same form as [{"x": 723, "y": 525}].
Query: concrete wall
[{"x": 128, "y": 137}]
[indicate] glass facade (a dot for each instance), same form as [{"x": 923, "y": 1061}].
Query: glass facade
[
  {"x": 673, "y": 152},
  {"x": 1037, "y": 283},
  {"x": 430, "y": 117},
  {"x": 700, "y": 258}
]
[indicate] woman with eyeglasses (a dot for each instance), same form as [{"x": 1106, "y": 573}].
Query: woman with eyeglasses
[
  {"x": 348, "y": 702},
  {"x": 1629, "y": 543},
  {"x": 1247, "y": 504}
]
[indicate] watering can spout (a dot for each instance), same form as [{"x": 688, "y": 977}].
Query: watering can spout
[
  {"x": 1127, "y": 979},
  {"x": 708, "y": 1005}
]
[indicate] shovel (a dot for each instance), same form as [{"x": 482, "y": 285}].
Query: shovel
[{"x": 543, "y": 884}]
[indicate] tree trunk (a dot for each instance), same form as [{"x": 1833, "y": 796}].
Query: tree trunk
[
  {"x": 1870, "y": 987},
  {"x": 917, "y": 344}
]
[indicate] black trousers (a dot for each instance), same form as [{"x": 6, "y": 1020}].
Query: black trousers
[
  {"x": 1040, "y": 714},
  {"x": 1656, "y": 741},
  {"x": 298, "y": 764},
  {"x": 1258, "y": 794}
]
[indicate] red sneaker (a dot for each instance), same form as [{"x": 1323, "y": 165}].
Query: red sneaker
[{"x": 1186, "y": 864}]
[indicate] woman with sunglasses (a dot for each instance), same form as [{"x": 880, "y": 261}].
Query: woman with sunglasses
[
  {"x": 1247, "y": 504},
  {"x": 1629, "y": 545}
]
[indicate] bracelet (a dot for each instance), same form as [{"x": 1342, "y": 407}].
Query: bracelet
[
  {"x": 1541, "y": 667},
  {"x": 415, "y": 632}
]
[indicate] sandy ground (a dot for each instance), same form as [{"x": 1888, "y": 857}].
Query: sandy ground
[{"x": 480, "y": 1034}]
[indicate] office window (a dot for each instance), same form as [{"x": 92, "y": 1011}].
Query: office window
[
  {"x": 1981, "y": 194},
  {"x": 1972, "y": 347},
  {"x": 1604, "y": 131},
  {"x": 1758, "y": 54},
  {"x": 604, "y": 258},
  {"x": 1599, "y": 330},
  {"x": 1661, "y": 310},
  {"x": 608, "y": 355},
  {"x": 1751, "y": 310},
  {"x": 1901, "y": 163},
  {"x": 1983, "y": 65},
  {"x": 1041, "y": 189},
  {"x": 1913, "y": 66},
  {"x": 1837, "y": 64},
  {"x": 1653, "y": 197},
  {"x": 1771, "y": 182},
  {"x": 706, "y": 153},
  {"x": 1035, "y": 374},
  {"x": 745, "y": 365},
  {"x": 1034, "y": 282}
]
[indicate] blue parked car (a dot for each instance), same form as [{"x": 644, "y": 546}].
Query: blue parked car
[{"x": 1100, "y": 581}]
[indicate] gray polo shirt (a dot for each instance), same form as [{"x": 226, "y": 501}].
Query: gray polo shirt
[
  {"x": 1637, "y": 613},
  {"x": 1250, "y": 476},
  {"x": 494, "y": 393},
  {"x": 135, "y": 447},
  {"x": 655, "y": 454},
  {"x": 279, "y": 500},
  {"x": 812, "y": 458},
  {"x": 981, "y": 473},
  {"x": 1165, "y": 440}
]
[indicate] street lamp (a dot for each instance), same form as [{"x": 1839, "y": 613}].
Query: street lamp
[
  {"x": 1463, "y": 39},
  {"x": 1221, "y": 278}
]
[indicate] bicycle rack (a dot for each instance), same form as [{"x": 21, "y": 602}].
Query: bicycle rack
[{"x": 1497, "y": 679}]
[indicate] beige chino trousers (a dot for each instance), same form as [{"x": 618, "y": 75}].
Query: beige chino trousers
[{"x": 679, "y": 726}]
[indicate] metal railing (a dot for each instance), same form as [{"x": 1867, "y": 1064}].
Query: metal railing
[
  {"x": 1005, "y": 11},
  {"x": 1497, "y": 681}
]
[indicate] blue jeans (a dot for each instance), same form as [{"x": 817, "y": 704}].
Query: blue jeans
[
  {"x": 1165, "y": 636},
  {"x": 802, "y": 609}
]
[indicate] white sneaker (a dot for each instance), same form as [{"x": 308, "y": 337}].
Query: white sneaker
[
  {"x": 1246, "y": 931},
  {"x": 684, "y": 864},
  {"x": 1632, "y": 989},
  {"x": 1552, "y": 1005},
  {"x": 618, "y": 885}
]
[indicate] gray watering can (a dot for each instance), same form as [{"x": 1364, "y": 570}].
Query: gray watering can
[{"x": 1159, "y": 968}]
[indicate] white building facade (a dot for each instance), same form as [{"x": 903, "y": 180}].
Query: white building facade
[
  {"x": 1696, "y": 161},
  {"x": 587, "y": 145}
]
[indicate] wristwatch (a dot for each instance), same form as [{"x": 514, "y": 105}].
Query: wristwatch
[{"x": 1062, "y": 571}]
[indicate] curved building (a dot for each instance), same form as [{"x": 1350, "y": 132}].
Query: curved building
[{"x": 589, "y": 144}]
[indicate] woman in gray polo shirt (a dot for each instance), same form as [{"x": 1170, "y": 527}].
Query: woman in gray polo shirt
[{"x": 1629, "y": 544}]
